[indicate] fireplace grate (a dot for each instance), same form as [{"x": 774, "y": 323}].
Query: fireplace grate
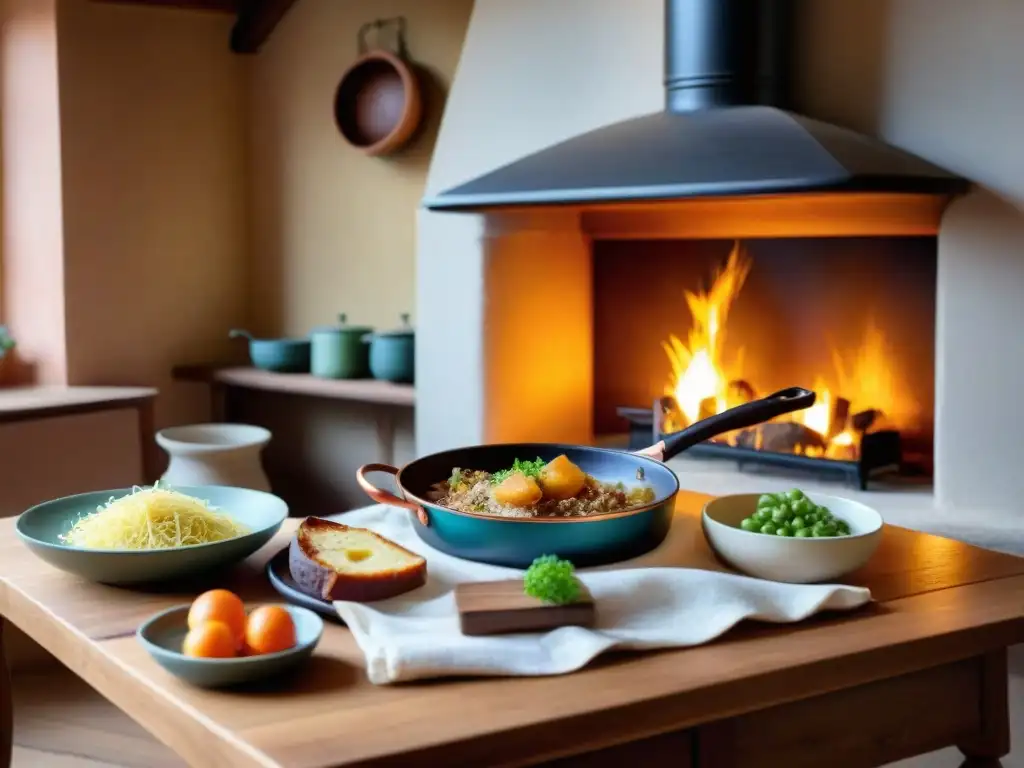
[{"x": 880, "y": 451}]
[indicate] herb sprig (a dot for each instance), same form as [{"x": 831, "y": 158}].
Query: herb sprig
[
  {"x": 528, "y": 468},
  {"x": 552, "y": 580}
]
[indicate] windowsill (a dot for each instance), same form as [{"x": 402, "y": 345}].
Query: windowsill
[{"x": 40, "y": 402}]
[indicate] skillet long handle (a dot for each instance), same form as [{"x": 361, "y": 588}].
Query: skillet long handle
[{"x": 746, "y": 415}]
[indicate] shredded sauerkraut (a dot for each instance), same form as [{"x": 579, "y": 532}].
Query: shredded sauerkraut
[{"x": 152, "y": 518}]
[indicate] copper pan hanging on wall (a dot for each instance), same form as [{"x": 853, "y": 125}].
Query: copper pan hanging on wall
[{"x": 378, "y": 104}]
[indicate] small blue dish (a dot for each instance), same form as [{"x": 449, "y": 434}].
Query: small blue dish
[
  {"x": 163, "y": 634},
  {"x": 42, "y": 526}
]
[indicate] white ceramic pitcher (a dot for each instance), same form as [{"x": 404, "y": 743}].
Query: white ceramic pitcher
[{"x": 215, "y": 454}]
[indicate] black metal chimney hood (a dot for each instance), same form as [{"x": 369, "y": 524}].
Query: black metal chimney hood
[{"x": 725, "y": 131}]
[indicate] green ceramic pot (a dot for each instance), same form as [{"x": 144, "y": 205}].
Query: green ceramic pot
[
  {"x": 340, "y": 352},
  {"x": 393, "y": 353}
]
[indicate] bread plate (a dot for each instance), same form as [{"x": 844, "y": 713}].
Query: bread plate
[{"x": 281, "y": 580}]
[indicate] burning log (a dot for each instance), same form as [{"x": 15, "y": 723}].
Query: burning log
[
  {"x": 781, "y": 437},
  {"x": 667, "y": 417},
  {"x": 838, "y": 417},
  {"x": 740, "y": 392},
  {"x": 864, "y": 420},
  {"x": 708, "y": 408}
]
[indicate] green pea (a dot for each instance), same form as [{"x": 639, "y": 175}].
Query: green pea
[
  {"x": 804, "y": 533},
  {"x": 843, "y": 527},
  {"x": 797, "y": 523},
  {"x": 750, "y": 524},
  {"x": 782, "y": 514},
  {"x": 824, "y": 512},
  {"x": 828, "y": 529},
  {"x": 803, "y": 506},
  {"x": 783, "y": 530},
  {"x": 795, "y": 495},
  {"x": 767, "y": 500},
  {"x": 764, "y": 515},
  {"x": 768, "y": 528}
]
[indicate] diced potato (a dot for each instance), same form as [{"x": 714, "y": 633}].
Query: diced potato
[
  {"x": 640, "y": 495},
  {"x": 517, "y": 490},
  {"x": 561, "y": 479}
]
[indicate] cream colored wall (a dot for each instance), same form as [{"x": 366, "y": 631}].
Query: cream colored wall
[
  {"x": 333, "y": 230},
  {"x": 31, "y": 296},
  {"x": 124, "y": 237},
  {"x": 152, "y": 135}
]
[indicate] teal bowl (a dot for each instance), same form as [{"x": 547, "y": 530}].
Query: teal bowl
[
  {"x": 163, "y": 634},
  {"x": 42, "y": 526}
]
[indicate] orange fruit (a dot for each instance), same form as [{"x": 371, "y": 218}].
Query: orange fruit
[
  {"x": 210, "y": 640},
  {"x": 270, "y": 629},
  {"x": 219, "y": 605}
]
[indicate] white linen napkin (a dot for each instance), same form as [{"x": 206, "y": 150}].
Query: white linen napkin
[{"x": 675, "y": 596}]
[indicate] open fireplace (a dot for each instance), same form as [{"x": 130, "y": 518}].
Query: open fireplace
[
  {"x": 640, "y": 275},
  {"x": 711, "y": 324}
]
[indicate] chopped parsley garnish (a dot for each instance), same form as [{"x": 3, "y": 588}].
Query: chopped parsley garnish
[
  {"x": 552, "y": 580},
  {"x": 528, "y": 468}
]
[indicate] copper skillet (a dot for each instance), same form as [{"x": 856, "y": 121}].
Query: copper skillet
[{"x": 587, "y": 541}]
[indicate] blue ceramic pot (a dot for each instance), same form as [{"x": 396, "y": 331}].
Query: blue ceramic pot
[
  {"x": 280, "y": 355},
  {"x": 393, "y": 353},
  {"x": 516, "y": 542}
]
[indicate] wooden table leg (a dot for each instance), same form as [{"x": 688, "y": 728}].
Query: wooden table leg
[
  {"x": 993, "y": 740},
  {"x": 6, "y": 707}
]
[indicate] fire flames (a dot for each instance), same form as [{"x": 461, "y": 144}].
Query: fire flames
[{"x": 703, "y": 381}]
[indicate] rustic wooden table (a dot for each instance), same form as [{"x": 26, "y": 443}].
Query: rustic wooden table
[{"x": 923, "y": 668}]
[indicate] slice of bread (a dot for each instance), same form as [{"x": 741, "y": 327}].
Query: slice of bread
[{"x": 335, "y": 562}]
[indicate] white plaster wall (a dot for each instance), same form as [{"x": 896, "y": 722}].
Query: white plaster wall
[
  {"x": 938, "y": 77},
  {"x": 942, "y": 78},
  {"x": 532, "y": 72}
]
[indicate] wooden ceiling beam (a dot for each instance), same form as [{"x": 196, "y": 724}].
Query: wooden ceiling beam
[
  {"x": 219, "y": 6},
  {"x": 256, "y": 20}
]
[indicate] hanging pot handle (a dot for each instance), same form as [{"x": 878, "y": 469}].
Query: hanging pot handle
[
  {"x": 382, "y": 496},
  {"x": 746, "y": 415},
  {"x": 398, "y": 22}
]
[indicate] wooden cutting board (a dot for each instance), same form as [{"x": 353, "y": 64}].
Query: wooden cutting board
[{"x": 501, "y": 607}]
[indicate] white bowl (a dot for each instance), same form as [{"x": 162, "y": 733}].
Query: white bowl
[{"x": 790, "y": 559}]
